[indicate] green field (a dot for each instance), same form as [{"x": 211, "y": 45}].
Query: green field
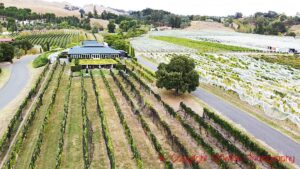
[
  {"x": 52, "y": 38},
  {"x": 201, "y": 46},
  {"x": 109, "y": 119}
]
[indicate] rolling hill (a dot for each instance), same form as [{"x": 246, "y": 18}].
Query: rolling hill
[{"x": 41, "y": 6}]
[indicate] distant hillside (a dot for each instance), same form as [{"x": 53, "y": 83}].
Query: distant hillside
[
  {"x": 100, "y": 9},
  {"x": 296, "y": 29},
  {"x": 202, "y": 25},
  {"x": 41, "y": 6}
]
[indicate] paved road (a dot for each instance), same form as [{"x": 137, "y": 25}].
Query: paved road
[
  {"x": 17, "y": 81},
  {"x": 260, "y": 130}
]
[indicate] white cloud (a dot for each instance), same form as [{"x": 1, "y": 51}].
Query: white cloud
[{"x": 202, "y": 7}]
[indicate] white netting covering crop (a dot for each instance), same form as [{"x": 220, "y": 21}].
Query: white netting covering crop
[{"x": 275, "y": 88}]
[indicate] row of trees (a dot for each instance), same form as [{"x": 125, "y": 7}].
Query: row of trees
[
  {"x": 146, "y": 16},
  {"x": 161, "y": 18},
  {"x": 45, "y": 20}
]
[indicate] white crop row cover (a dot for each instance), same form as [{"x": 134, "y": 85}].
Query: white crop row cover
[{"x": 240, "y": 39}]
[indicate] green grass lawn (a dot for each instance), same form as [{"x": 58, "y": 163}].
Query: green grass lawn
[
  {"x": 201, "y": 46},
  {"x": 94, "y": 62}
]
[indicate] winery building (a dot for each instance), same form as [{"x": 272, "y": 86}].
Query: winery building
[
  {"x": 93, "y": 50},
  {"x": 92, "y": 54}
]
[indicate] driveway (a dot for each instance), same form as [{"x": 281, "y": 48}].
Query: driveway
[
  {"x": 17, "y": 82},
  {"x": 260, "y": 130}
]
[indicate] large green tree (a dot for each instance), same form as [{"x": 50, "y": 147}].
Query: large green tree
[
  {"x": 7, "y": 52},
  {"x": 179, "y": 75},
  {"x": 111, "y": 26},
  {"x": 11, "y": 25}
]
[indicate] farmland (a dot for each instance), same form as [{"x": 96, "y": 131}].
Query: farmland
[
  {"x": 104, "y": 119},
  {"x": 169, "y": 90},
  {"x": 201, "y": 46},
  {"x": 52, "y": 38},
  {"x": 260, "y": 80},
  {"x": 255, "y": 41}
]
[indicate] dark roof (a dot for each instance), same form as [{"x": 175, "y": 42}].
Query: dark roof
[
  {"x": 93, "y": 50},
  {"x": 92, "y": 47},
  {"x": 91, "y": 43}
]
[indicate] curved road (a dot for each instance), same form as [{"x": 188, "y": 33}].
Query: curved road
[
  {"x": 260, "y": 130},
  {"x": 17, "y": 81}
]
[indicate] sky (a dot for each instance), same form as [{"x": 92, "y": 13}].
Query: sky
[{"x": 200, "y": 7}]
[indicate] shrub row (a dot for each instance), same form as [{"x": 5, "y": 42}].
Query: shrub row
[
  {"x": 63, "y": 125},
  {"x": 105, "y": 131},
  {"x": 241, "y": 137},
  {"x": 87, "y": 137},
  {"x": 175, "y": 140},
  {"x": 22, "y": 136},
  {"x": 144, "y": 124},
  {"x": 186, "y": 126},
  {"x": 130, "y": 139},
  {"x": 148, "y": 77},
  {"x": 229, "y": 146},
  {"x": 16, "y": 120},
  {"x": 37, "y": 148}
]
